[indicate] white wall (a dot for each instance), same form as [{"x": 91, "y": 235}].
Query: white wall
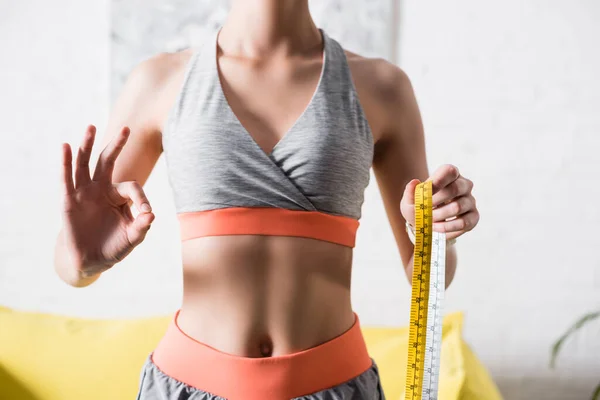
[{"x": 508, "y": 93}]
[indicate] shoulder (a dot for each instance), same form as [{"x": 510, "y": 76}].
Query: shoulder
[
  {"x": 384, "y": 89},
  {"x": 387, "y": 80},
  {"x": 159, "y": 70},
  {"x": 151, "y": 87}
]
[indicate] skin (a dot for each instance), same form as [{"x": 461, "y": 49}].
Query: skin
[{"x": 250, "y": 295}]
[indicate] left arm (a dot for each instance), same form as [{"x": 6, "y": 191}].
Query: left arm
[{"x": 400, "y": 163}]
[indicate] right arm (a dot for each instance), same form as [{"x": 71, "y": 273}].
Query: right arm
[{"x": 98, "y": 228}]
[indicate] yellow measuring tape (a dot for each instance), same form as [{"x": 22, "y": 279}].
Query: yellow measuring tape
[{"x": 428, "y": 284}]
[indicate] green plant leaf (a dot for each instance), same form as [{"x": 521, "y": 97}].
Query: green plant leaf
[
  {"x": 575, "y": 327},
  {"x": 596, "y": 394}
]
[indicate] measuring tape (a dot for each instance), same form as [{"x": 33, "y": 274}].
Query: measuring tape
[{"x": 428, "y": 285}]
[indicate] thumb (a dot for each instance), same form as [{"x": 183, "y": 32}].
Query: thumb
[
  {"x": 136, "y": 231},
  {"x": 409, "y": 191}
]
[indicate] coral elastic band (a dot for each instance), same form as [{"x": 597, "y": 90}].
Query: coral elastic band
[
  {"x": 268, "y": 221},
  {"x": 274, "y": 378}
]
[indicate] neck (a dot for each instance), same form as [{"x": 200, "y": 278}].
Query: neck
[{"x": 257, "y": 27}]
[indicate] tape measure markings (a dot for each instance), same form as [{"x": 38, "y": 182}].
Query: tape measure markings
[
  {"x": 428, "y": 285},
  {"x": 433, "y": 342}
]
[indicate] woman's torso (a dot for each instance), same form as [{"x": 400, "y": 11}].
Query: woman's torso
[{"x": 264, "y": 295}]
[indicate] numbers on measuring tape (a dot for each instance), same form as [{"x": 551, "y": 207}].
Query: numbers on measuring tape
[{"x": 427, "y": 294}]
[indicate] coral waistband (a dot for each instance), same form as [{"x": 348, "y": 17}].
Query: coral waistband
[
  {"x": 268, "y": 221},
  {"x": 276, "y": 378}
]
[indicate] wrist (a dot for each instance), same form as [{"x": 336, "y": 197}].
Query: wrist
[
  {"x": 70, "y": 268},
  {"x": 73, "y": 276},
  {"x": 84, "y": 276},
  {"x": 83, "y": 281}
]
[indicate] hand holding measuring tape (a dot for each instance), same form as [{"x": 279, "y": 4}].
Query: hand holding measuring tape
[
  {"x": 429, "y": 205},
  {"x": 455, "y": 211}
]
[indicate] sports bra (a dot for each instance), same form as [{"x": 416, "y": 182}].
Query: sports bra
[{"x": 311, "y": 184}]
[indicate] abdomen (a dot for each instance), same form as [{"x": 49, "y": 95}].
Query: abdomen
[{"x": 243, "y": 291}]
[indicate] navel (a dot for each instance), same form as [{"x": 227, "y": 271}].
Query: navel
[{"x": 266, "y": 347}]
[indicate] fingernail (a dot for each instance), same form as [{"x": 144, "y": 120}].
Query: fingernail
[{"x": 146, "y": 207}]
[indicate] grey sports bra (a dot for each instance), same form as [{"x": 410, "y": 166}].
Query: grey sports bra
[{"x": 311, "y": 184}]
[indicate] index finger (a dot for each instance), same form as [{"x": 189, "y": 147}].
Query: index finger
[
  {"x": 443, "y": 176},
  {"x": 108, "y": 156}
]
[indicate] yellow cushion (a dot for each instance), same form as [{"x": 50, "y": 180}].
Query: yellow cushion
[
  {"x": 50, "y": 357},
  {"x": 462, "y": 375}
]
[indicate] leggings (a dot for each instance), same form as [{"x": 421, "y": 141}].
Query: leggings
[{"x": 182, "y": 368}]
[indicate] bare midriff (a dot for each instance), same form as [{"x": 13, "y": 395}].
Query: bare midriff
[{"x": 265, "y": 296}]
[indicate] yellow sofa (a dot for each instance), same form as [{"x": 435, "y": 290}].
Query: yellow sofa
[{"x": 52, "y": 357}]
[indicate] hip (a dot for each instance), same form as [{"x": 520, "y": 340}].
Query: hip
[{"x": 183, "y": 368}]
